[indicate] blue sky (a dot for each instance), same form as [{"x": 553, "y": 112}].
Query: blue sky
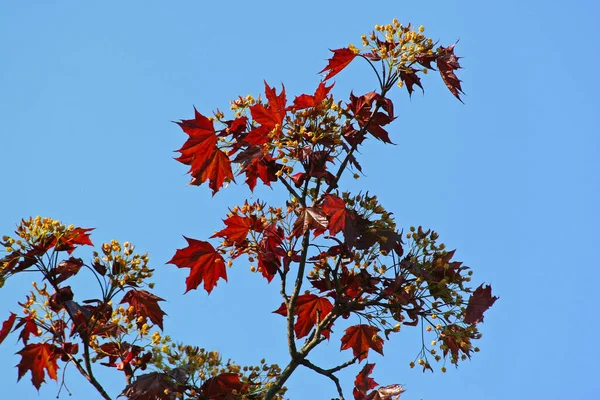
[{"x": 510, "y": 179}]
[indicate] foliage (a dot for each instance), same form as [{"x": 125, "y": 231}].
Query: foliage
[{"x": 345, "y": 246}]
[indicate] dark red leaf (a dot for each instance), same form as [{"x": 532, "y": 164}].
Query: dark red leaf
[
  {"x": 447, "y": 63},
  {"x": 7, "y": 326},
  {"x": 145, "y": 304},
  {"x": 479, "y": 302},
  {"x": 310, "y": 218},
  {"x": 363, "y": 382},
  {"x": 205, "y": 262},
  {"x": 222, "y": 387},
  {"x": 410, "y": 79},
  {"x": 66, "y": 269},
  {"x": 152, "y": 386}
]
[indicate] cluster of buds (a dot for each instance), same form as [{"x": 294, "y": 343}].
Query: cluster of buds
[{"x": 122, "y": 265}]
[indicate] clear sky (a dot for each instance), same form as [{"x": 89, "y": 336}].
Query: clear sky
[{"x": 510, "y": 179}]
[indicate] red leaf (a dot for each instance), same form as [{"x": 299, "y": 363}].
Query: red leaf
[
  {"x": 145, "y": 304},
  {"x": 29, "y": 327},
  {"x": 237, "y": 229},
  {"x": 309, "y": 309},
  {"x": 200, "y": 152},
  {"x": 271, "y": 116},
  {"x": 410, "y": 79},
  {"x": 216, "y": 169},
  {"x": 202, "y": 140},
  {"x": 7, "y": 326},
  {"x": 151, "y": 386},
  {"x": 205, "y": 262},
  {"x": 340, "y": 218},
  {"x": 221, "y": 387},
  {"x": 310, "y": 218},
  {"x": 479, "y": 302},
  {"x": 306, "y": 101},
  {"x": 363, "y": 383},
  {"x": 447, "y": 63},
  {"x": 36, "y": 358},
  {"x": 361, "y": 338},
  {"x": 70, "y": 239},
  {"x": 341, "y": 58},
  {"x": 67, "y": 269}
]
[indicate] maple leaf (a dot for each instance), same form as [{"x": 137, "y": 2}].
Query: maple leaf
[
  {"x": 306, "y": 101},
  {"x": 410, "y": 79},
  {"x": 309, "y": 309},
  {"x": 363, "y": 383},
  {"x": 7, "y": 326},
  {"x": 216, "y": 170},
  {"x": 202, "y": 139},
  {"x": 145, "y": 304},
  {"x": 225, "y": 386},
  {"x": 390, "y": 392},
  {"x": 447, "y": 63},
  {"x": 29, "y": 327},
  {"x": 361, "y": 338},
  {"x": 200, "y": 152},
  {"x": 66, "y": 269},
  {"x": 479, "y": 302},
  {"x": 340, "y": 60},
  {"x": 152, "y": 386},
  {"x": 340, "y": 218},
  {"x": 237, "y": 229},
  {"x": 310, "y": 218},
  {"x": 205, "y": 262},
  {"x": 270, "y": 117},
  {"x": 361, "y": 109},
  {"x": 75, "y": 237},
  {"x": 37, "y": 358}
]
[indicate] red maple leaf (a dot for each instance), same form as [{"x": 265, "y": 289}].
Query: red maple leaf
[
  {"x": 7, "y": 326},
  {"x": 205, "y": 262},
  {"x": 309, "y": 309},
  {"x": 271, "y": 116},
  {"x": 410, "y": 79},
  {"x": 202, "y": 140},
  {"x": 340, "y": 218},
  {"x": 66, "y": 269},
  {"x": 145, "y": 304},
  {"x": 310, "y": 218},
  {"x": 361, "y": 338},
  {"x": 75, "y": 237},
  {"x": 37, "y": 358},
  {"x": 306, "y": 101},
  {"x": 447, "y": 63},
  {"x": 361, "y": 107},
  {"x": 237, "y": 229},
  {"x": 225, "y": 386},
  {"x": 340, "y": 60},
  {"x": 216, "y": 169},
  {"x": 29, "y": 327},
  {"x": 155, "y": 385},
  {"x": 200, "y": 152},
  {"x": 479, "y": 302},
  {"x": 363, "y": 383}
]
